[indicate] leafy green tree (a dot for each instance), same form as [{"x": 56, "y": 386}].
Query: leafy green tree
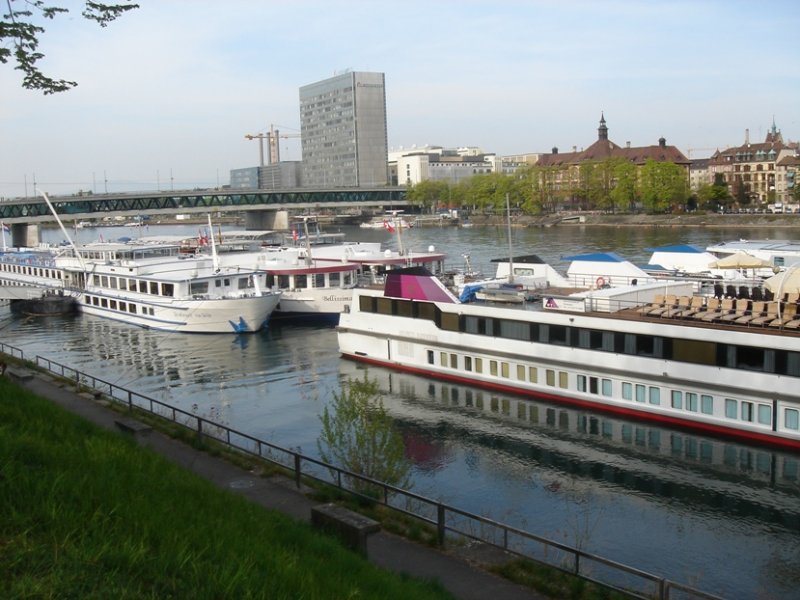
[
  {"x": 795, "y": 192},
  {"x": 358, "y": 435},
  {"x": 712, "y": 197},
  {"x": 662, "y": 185},
  {"x": 597, "y": 181},
  {"x": 429, "y": 193},
  {"x": 19, "y": 37},
  {"x": 623, "y": 194},
  {"x": 488, "y": 192}
]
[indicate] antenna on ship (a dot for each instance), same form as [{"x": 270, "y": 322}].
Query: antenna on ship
[
  {"x": 308, "y": 239},
  {"x": 214, "y": 257},
  {"x": 510, "y": 251}
]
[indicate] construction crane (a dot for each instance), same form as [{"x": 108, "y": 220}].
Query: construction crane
[{"x": 272, "y": 137}]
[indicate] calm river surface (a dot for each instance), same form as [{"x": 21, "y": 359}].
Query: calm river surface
[{"x": 716, "y": 514}]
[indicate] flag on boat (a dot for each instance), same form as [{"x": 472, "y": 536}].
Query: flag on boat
[
  {"x": 388, "y": 226},
  {"x": 5, "y": 227},
  {"x": 202, "y": 237},
  {"x": 295, "y": 234}
]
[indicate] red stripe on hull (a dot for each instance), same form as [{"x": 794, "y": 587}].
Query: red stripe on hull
[{"x": 717, "y": 430}]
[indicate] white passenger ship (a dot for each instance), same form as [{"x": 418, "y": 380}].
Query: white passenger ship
[
  {"x": 150, "y": 285},
  {"x": 654, "y": 351},
  {"x": 316, "y": 272}
]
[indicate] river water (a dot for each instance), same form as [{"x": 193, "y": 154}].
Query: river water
[{"x": 716, "y": 514}]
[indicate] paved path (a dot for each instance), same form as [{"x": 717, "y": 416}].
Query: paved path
[{"x": 461, "y": 578}]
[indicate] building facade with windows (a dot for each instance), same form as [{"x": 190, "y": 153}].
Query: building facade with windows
[
  {"x": 752, "y": 170},
  {"x": 343, "y": 131},
  {"x": 441, "y": 165},
  {"x": 561, "y": 171}
]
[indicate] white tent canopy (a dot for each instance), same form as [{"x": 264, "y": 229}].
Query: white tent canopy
[
  {"x": 785, "y": 282},
  {"x": 740, "y": 260}
]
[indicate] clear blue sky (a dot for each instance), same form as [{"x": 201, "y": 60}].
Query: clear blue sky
[{"x": 167, "y": 93}]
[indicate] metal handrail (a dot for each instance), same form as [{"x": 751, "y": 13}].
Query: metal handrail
[{"x": 445, "y": 518}]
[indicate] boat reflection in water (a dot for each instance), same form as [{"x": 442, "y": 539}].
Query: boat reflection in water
[
  {"x": 242, "y": 381},
  {"x": 710, "y": 512}
]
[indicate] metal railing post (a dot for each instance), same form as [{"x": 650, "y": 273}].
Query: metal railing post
[
  {"x": 662, "y": 589},
  {"x": 440, "y": 523},
  {"x": 297, "y": 470}
]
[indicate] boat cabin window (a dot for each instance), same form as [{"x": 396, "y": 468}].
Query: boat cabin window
[
  {"x": 627, "y": 390},
  {"x": 405, "y": 308},
  {"x": 791, "y": 419},
  {"x": 198, "y": 288},
  {"x": 244, "y": 283},
  {"x": 168, "y": 289},
  {"x": 301, "y": 282},
  {"x": 366, "y": 303},
  {"x": 426, "y": 310},
  {"x": 764, "y": 414},
  {"x": 384, "y": 306},
  {"x": 335, "y": 279},
  {"x": 449, "y": 322},
  {"x": 515, "y": 330},
  {"x": 319, "y": 280}
]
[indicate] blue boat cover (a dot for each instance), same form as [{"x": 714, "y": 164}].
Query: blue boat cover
[{"x": 597, "y": 257}]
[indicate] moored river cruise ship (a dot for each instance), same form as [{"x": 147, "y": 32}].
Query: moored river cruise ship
[
  {"x": 655, "y": 351},
  {"x": 150, "y": 285}
]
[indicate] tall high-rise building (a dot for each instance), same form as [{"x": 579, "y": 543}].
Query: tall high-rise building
[{"x": 343, "y": 131}]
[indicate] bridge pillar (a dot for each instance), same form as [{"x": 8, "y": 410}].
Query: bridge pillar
[
  {"x": 266, "y": 219},
  {"x": 22, "y": 235}
]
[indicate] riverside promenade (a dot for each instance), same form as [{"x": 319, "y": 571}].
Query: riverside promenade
[{"x": 460, "y": 574}]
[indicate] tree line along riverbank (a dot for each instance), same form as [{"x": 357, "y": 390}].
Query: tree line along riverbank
[{"x": 730, "y": 221}]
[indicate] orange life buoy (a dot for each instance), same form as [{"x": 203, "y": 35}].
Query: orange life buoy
[{"x": 600, "y": 282}]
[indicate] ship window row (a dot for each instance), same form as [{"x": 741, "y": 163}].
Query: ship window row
[
  {"x": 141, "y": 286},
  {"x": 733, "y": 356},
  {"x": 32, "y": 271},
  {"x": 117, "y": 305},
  {"x": 749, "y": 412},
  {"x": 742, "y": 410},
  {"x": 314, "y": 280}
]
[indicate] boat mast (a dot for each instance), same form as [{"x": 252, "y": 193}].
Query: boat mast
[
  {"x": 510, "y": 251},
  {"x": 214, "y": 257},
  {"x": 63, "y": 230},
  {"x": 398, "y": 223},
  {"x": 308, "y": 241}
]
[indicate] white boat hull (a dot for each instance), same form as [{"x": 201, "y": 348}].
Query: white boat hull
[
  {"x": 324, "y": 302},
  {"x": 222, "y": 315}
]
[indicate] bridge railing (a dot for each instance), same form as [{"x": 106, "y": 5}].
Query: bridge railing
[{"x": 450, "y": 523}]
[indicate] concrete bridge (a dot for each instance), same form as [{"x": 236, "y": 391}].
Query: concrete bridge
[{"x": 263, "y": 209}]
